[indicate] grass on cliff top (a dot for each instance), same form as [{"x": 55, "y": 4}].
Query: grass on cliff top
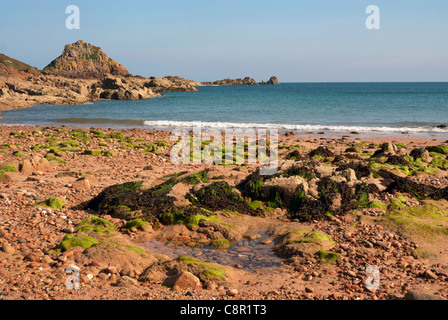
[{"x": 16, "y": 64}]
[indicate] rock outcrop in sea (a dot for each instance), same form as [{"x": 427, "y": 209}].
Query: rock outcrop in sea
[{"x": 245, "y": 81}]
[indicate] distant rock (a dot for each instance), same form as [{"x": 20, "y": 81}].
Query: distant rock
[
  {"x": 171, "y": 84},
  {"x": 273, "y": 80},
  {"x": 245, "y": 81},
  {"x": 231, "y": 82},
  {"x": 84, "y": 60}
]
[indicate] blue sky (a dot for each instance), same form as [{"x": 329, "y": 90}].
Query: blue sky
[{"x": 204, "y": 40}]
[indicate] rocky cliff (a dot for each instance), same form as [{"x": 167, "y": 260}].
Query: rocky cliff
[
  {"x": 82, "y": 73},
  {"x": 84, "y": 60}
]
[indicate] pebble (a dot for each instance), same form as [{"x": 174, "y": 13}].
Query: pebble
[
  {"x": 8, "y": 249},
  {"x": 111, "y": 270},
  {"x": 430, "y": 275},
  {"x": 309, "y": 290},
  {"x": 351, "y": 273},
  {"x": 69, "y": 230},
  {"x": 232, "y": 292}
]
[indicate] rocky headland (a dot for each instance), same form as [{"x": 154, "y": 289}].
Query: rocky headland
[{"x": 81, "y": 74}]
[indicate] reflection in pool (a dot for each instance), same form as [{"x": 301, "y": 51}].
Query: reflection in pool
[{"x": 250, "y": 254}]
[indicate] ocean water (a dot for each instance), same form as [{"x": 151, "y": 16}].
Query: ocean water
[{"x": 303, "y": 107}]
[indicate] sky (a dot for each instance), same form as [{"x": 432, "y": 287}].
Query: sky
[{"x": 207, "y": 40}]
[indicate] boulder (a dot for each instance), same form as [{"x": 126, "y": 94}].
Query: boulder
[
  {"x": 183, "y": 280},
  {"x": 286, "y": 187}
]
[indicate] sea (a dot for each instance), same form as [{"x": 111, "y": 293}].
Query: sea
[{"x": 413, "y": 109}]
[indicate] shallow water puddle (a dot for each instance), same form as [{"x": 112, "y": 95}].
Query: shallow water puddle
[{"x": 250, "y": 254}]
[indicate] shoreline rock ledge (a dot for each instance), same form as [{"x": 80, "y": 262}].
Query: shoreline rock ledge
[{"x": 238, "y": 82}]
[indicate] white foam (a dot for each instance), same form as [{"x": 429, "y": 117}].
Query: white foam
[{"x": 235, "y": 125}]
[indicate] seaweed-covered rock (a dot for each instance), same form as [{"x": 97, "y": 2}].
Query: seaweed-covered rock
[
  {"x": 398, "y": 160},
  {"x": 303, "y": 243},
  {"x": 286, "y": 188},
  {"x": 387, "y": 149},
  {"x": 334, "y": 198},
  {"x": 219, "y": 196},
  {"x": 294, "y": 155},
  {"x": 418, "y": 190},
  {"x": 422, "y": 154},
  {"x": 361, "y": 170},
  {"x": 119, "y": 200},
  {"x": 321, "y": 151}
]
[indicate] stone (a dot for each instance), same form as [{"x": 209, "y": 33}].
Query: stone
[
  {"x": 82, "y": 183},
  {"x": 232, "y": 292},
  {"x": 126, "y": 281},
  {"x": 69, "y": 230},
  {"x": 430, "y": 275},
  {"x": 8, "y": 248},
  {"x": 413, "y": 295},
  {"x": 184, "y": 280},
  {"x": 287, "y": 188},
  {"x": 111, "y": 270}
]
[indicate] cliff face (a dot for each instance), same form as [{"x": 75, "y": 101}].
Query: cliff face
[{"x": 86, "y": 61}]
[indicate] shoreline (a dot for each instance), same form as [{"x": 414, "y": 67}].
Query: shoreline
[{"x": 429, "y": 135}]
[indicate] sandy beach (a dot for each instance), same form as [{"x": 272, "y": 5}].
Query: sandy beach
[{"x": 48, "y": 221}]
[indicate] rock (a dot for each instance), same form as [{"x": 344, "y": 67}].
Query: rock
[
  {"x": 412, "y": 295},
  {"x": 184, "y": 280},
  {"x": 72, "y": 63},
  {"x": 126, "y": 281},
  {"x": 231, "y": 82},
  {"x": 430, "y": 275},
  {"x": 273, "y": 80},
  {"x": 387, "y": 149},
  {"x": 232, "y": 292},
  {"x": 69, "y": 230},
  {"x": 171, "y": 84},
  {"x": 351, "y": 273},
  {"x": 8, "y": 248},
  {"x": 27, "y": 168},
  {"x": 111, "y": 270},
  {"x": 103, "y": 276},
  {"x": 421, "y": 153},
  {"x": 5, "y": 178},
  {"x": 82, "y": 183},
  {"x": 286, "y": 187}
]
